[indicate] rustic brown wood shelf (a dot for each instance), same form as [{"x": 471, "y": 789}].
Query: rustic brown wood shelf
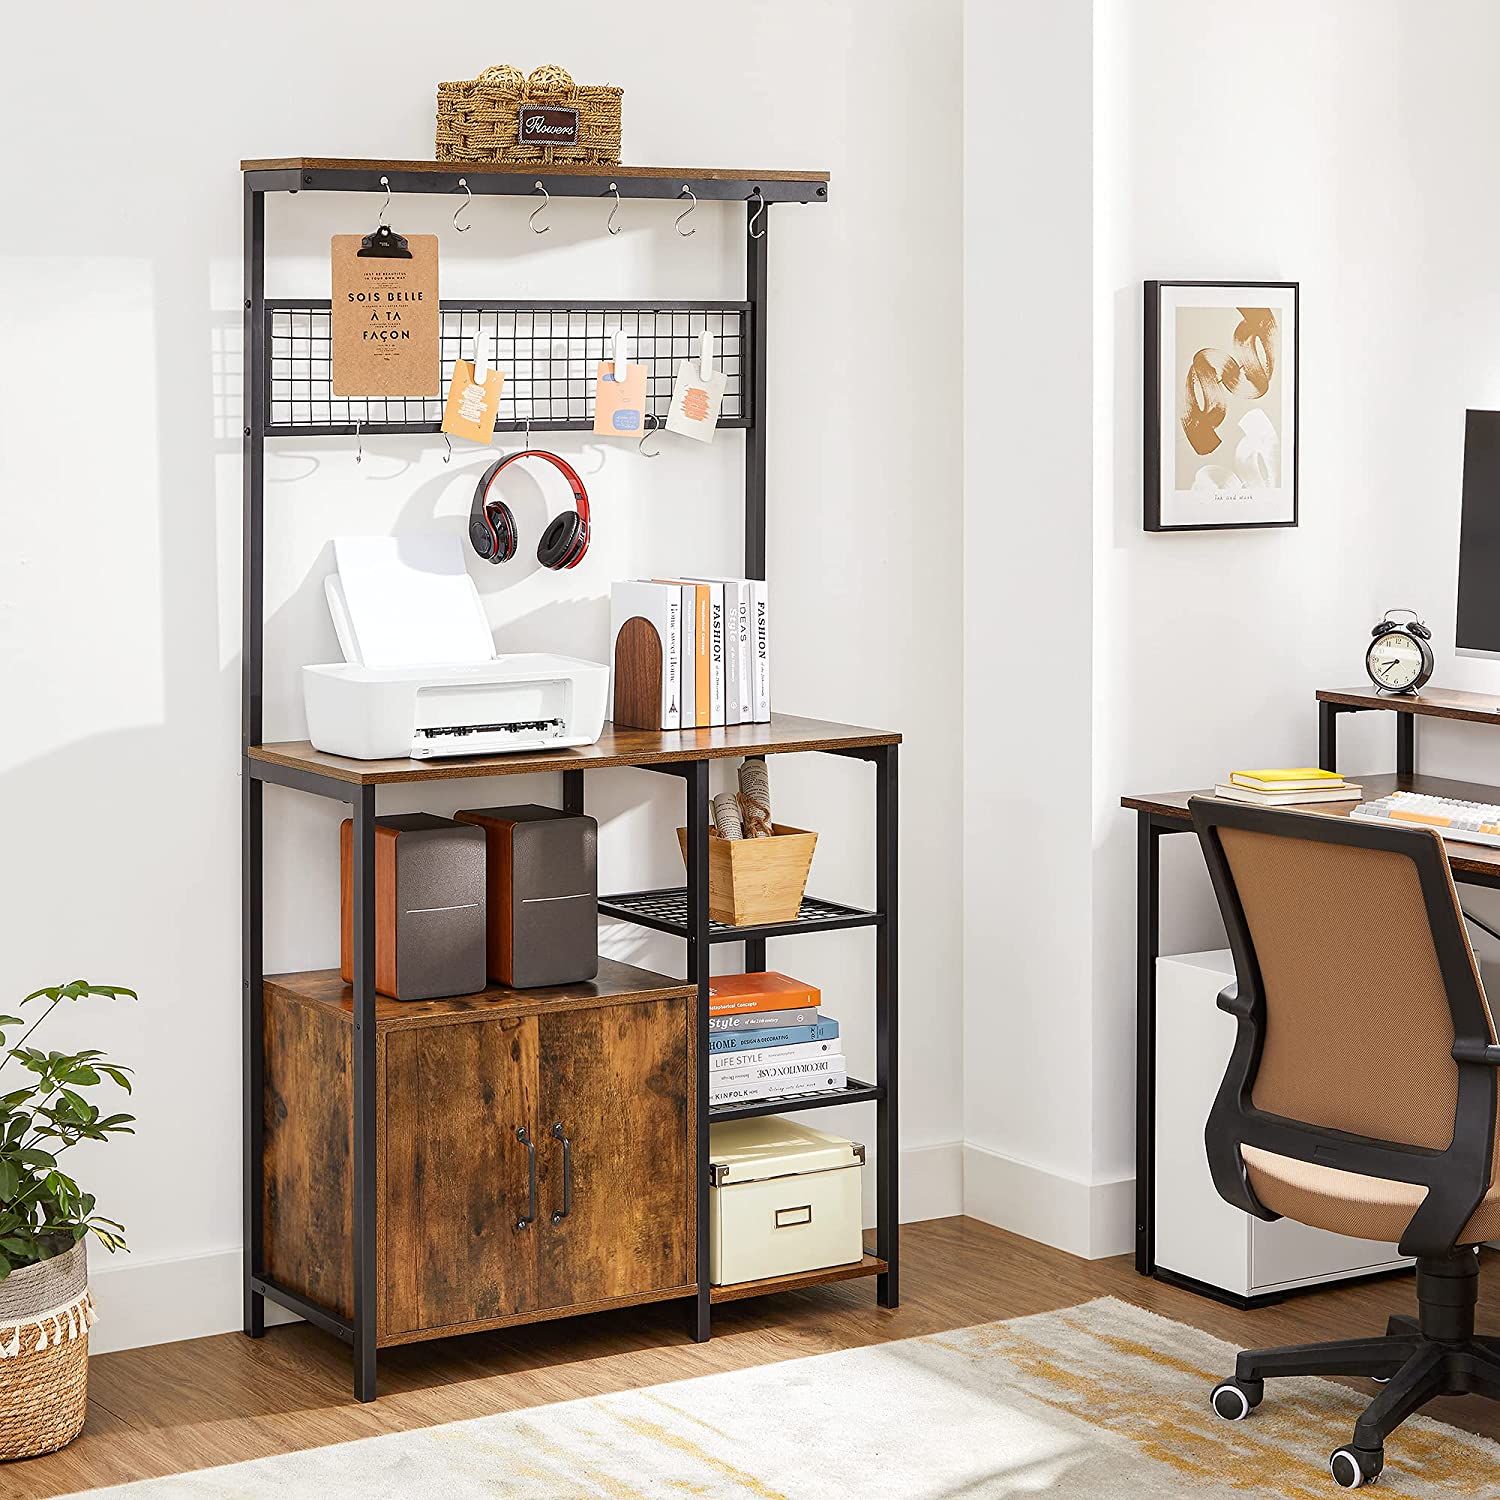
[
  {"x": 616, "y": 984},
  {"x": 871, "y": 1265},
  {"x": 622, "y": 746},
  {"x": 562, "y": 179},
  {"x": 1430, "y": 703}
]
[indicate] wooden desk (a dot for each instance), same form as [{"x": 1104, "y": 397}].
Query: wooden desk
[{"x": 1159, "y": 813}]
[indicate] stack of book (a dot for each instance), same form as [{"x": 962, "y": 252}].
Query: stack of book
[
  {"x": 768, "y": 1039},
  {"x": 1302, "y": 784},
  {"x": 713, "y": 635}
]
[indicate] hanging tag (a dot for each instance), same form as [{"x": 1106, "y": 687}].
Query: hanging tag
[
  {"x": 696, "y": 401},
  {"x": 619, "y": 405},
  {"x": 474, "y": 396}
]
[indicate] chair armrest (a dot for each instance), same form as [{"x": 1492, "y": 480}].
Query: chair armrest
[
  {"x": 1229, "y": 1000},
  {"x": 1477, "y": 1052}
]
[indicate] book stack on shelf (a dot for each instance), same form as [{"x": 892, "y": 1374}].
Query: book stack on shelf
[
  {"x": 1301, "y": 784},
  {"x": 768, "y": 1039},
  {"x": 704, "y": 644}
]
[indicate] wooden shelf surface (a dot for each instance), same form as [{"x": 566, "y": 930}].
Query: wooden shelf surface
[
  {"x": 616, "y": 983},
  {"x": 871, "y": 1265},
  {"x": 1430, "y": 703},
  {"x": 529, "y": 169},
  {"x": 623, "y": 746},
  {"x": 1476, "y": 859}
]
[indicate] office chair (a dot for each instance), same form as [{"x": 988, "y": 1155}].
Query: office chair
[{"x": 1361, "y": 1093}]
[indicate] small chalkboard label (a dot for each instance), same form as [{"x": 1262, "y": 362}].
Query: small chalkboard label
[{"x": 548, "y": 125}]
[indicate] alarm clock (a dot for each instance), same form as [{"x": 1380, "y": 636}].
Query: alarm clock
[{"x": 1399, "y": 658}]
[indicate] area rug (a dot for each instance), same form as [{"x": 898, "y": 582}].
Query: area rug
[{"x": 1102, "y": 1400}]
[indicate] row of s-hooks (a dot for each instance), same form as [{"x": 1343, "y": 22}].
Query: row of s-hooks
[
  {"x": 653, "y": 425},
  {"x": 609, "y": 224}
]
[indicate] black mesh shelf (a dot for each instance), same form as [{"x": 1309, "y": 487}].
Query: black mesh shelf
[
  {"x": 666, "y": 911},
  {"x": 853, "y": 1093},
  {"x": 549, "y": 352}
]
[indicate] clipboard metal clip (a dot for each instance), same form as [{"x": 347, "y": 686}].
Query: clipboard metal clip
[{"x": 383, "y": 242}]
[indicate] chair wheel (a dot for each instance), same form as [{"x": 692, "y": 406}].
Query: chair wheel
[
  {"x": 1351, "y": 1467},
  {"x": 1234, "y": 1400}
]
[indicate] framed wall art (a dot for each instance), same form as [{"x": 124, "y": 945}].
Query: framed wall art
[{"x": 1221, "y": 404}]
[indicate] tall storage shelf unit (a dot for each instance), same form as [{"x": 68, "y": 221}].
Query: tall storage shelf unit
[{"x": 571, "y": 1123}]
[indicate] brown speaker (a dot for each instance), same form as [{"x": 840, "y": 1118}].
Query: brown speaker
[
  {"x": 543, "y": 883},
  {"x": 429, "y": 907}
]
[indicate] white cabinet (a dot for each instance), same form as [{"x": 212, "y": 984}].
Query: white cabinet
[{"x": 1198, "y": 1234}]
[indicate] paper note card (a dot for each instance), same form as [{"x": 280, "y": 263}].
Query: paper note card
[
  {"x": 471, "y": 408},
  {"x": 385, "y": 320},
  {"x": 696, "y": 401},
  {"x": 619, "y": 405}
]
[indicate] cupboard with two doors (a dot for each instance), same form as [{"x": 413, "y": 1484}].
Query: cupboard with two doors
[{"x": 534, "y": 1155}]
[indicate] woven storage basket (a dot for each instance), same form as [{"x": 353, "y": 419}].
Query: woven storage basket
[
  {"x": 45, "y": 1314},
  {"x": 480, "y": 119}
]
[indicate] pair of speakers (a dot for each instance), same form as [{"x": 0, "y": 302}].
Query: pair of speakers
[{"x": 508, "y": 894}]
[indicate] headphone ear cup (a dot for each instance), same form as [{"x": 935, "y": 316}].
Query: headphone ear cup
[
  {"x": 560, "y": 544},
  {"x": 505, "y": 529},
  {"x": 481, "y": 539}
]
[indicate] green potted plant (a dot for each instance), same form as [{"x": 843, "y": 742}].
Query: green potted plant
[{"x": 45, "y": 1307}]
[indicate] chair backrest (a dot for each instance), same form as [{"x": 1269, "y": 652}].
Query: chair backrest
[{"x": 1355, "y": 978}]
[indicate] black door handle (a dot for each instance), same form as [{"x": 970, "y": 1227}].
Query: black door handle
[
  {"x": 529, "y": 1218},
  {"x": 562, "y": 1213}
]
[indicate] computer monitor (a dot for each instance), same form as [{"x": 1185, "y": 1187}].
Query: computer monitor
[{"x": 1479, "y": 540}]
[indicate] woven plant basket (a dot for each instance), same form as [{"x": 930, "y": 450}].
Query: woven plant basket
[
  {"x": 45, "y": 1315},
  {"x": 479, "y": 119}
]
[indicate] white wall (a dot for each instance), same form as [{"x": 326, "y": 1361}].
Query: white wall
[
  {"x": 1339, "y": 145},
  {"x": 1028, "y": 676},
  {"x": 120, "y": 574}
]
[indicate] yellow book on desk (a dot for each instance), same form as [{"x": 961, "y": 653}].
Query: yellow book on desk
[{"x": 1300, "y": 779}]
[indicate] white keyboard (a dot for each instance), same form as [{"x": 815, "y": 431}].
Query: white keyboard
[{"x": 1468, "y": 822}]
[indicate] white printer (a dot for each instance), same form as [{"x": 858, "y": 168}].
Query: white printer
[{"x": 420, "y": 676}]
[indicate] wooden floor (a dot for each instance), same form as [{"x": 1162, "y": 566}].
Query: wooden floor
[{"x": 210, "y": 1401}]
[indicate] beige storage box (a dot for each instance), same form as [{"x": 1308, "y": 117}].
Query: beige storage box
[{"x": 782, "y": 1198}]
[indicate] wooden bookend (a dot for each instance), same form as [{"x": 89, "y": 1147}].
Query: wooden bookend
[{"x": 638, "y": 667}]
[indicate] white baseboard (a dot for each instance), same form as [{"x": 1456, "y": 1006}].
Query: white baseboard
[
  {"x": 932, "y": 1182},
  {"x": 162, "y": 1301},
  {"x": 1088, "y": 1219}
]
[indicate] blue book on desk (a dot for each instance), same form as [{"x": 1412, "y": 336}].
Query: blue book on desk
[{"x": 734, "y": 1041}]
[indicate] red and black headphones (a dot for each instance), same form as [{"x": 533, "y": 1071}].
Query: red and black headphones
[{"x": 492, "y": 527}]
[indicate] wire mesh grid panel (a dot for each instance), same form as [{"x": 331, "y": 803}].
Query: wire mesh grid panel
[{"x": 548, "y": 352}]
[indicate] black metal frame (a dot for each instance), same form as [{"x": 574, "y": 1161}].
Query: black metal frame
[
  {"x": 1456, "y": 1177},
  {"x": 360, "y": 1331}
]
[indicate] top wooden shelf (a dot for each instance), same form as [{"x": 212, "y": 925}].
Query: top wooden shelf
[
  {"x": 784, "y": 734},
  {"x": 562, "y": 179},
  {"x": 1430, "y": 703}
]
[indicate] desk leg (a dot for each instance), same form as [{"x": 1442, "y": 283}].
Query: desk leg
[
  {"x": 1328, "y": 737},
  {"x": 1406, "y": 744},
  {"x": 1148, "y": 941}
]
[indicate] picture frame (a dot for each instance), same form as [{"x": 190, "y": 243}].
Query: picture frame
[{"x": 1222, "y": 390}]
